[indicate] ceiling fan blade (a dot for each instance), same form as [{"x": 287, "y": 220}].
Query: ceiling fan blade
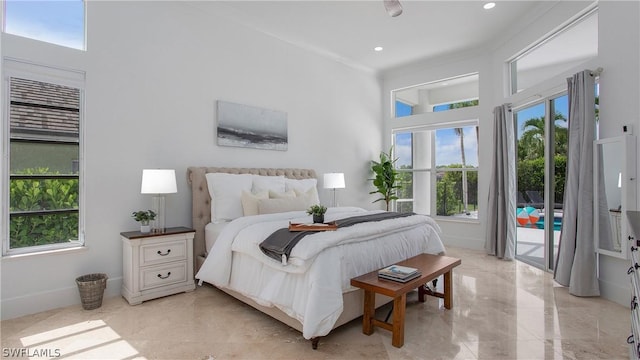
[{"x": 393, "y": 7}]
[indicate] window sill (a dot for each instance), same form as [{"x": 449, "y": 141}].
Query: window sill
[
  {"x": 69, "y": 250},
  {"x": 459, "y": 220}
]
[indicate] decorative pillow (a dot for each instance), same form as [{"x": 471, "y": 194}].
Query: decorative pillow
[
  {"x": 270, "y": 183},
  {"x": 270, "y": 206},
  {"x": 300, "y": 184},
  {"x": 225, "y": 191},
  {"x": 250, "y": 201},
  {"x": 280, "y": 195},
  {"x": 310, "y": 196}
]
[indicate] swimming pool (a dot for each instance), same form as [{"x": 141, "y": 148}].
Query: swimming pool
[{"x": 557, "y": 222}]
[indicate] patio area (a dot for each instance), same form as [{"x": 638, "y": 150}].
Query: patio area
[{"x": 530, "y": 245}]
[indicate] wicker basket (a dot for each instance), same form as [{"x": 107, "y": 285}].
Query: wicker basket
[{"x": 91, "y": 288}]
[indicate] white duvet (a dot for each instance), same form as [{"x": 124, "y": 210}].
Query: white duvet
[{"x": 309, "y": 288}]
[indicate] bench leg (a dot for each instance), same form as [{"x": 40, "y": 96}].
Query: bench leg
[
  {"x": 399, "y": 306},
  {"x": 369, "y": 312},
  {"x": 448, "y": 290}
]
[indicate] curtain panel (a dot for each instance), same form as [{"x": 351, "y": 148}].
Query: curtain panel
[
  {"x": 501, "y": 209},
  {"x": 576, "y": 262}
]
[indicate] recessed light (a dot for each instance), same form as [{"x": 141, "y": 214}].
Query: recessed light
[
  {"x": 489, "y": 5},
  {"x": 378, "y": 48}
]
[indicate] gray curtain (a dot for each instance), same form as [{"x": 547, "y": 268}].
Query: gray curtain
[
  {"x": 501, "y": 214},
  {"x": 576, "y": 262}
]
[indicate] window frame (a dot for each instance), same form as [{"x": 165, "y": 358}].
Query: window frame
[{"x": 15, "y": 68}]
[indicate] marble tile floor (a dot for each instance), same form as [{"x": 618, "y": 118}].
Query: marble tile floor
[{"x": 502, "y": 310}]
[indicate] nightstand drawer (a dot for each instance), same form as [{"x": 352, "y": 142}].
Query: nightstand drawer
[
  {"x": 163, "y": 252},
  {"x": 163, "y": 275}
]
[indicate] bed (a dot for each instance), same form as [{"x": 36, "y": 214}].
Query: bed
[{"x": 310, "y": 291}]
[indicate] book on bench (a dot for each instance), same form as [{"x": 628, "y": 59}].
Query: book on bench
[{"x": 398, "y": 273}]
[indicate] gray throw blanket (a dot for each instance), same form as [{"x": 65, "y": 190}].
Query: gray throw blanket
[{"x": 279, "y": 244}]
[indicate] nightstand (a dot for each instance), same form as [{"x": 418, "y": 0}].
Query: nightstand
[{"x": 155, "y": 265}]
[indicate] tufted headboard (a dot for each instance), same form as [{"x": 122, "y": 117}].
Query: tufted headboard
[{"x": 201, "y": 200}]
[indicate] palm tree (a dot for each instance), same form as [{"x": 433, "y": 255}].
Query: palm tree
[
  {"x": 531, "y": 143},
  {"x": 460, "y": 133},
  {"x": 465, "y": 192}
]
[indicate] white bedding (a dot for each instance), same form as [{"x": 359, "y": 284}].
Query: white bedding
[
  {"x": 309, "y": 288},
  {"x": 211, "y": 233}
]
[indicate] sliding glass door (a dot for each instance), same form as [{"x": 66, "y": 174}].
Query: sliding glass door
[{"x": 541, "y": 164}]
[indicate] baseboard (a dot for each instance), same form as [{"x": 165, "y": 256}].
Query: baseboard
[
  {"x": 463, "y": 242},
  {"x": 615, "y": 292},
  {"x": 53, "y": 299}
]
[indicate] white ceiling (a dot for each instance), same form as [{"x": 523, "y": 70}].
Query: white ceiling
[{"x": 349, "y": 30}]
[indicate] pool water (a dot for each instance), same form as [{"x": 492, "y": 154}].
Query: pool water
[{"x": 557, "y": 223}]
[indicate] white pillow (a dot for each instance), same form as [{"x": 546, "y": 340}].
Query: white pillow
[
  {"x": 310, "y": 196},
  {"x": 226, "y": 191},
  {"x": 270, "y": 183},
  {"x": 300, "y": 184},
  {"x": 303, "y": 186},
  {"x": 270, "y": 206},
  {"x": 250, "y": 201},
  {"x": 280, "y": 195}
]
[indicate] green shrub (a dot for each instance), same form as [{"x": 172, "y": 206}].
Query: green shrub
[
  {"x": 531, "y": 176},
  {"x": 42, "y": 194}
]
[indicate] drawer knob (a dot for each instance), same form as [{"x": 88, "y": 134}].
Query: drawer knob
[
  {"x": 164, "y": 254},
  {"x": 164, "y": 277}
]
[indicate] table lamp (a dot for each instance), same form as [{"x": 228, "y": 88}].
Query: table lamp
[{"x": 158, "y": 182}]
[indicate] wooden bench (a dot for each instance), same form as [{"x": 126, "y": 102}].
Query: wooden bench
[{"x": 431, "y": 266}]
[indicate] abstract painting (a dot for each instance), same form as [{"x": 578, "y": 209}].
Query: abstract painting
[{"x": 248, "y": 126}]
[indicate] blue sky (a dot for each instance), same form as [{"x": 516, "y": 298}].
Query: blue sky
[
  {"x": 55, "y": 21},
  {"x": 561, "y": 106},
  {"x": 447, "y": 147}
]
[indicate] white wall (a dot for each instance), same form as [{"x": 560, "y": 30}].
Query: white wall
[
  {"x": 619, "y": 105},
  {"x": 619, "y": 84},
  {"x": 154, "y": 71}
]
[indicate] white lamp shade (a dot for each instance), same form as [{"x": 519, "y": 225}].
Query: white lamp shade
[
  {"x": 158, "y": 181},
  {"x": 334, "y": 181}
]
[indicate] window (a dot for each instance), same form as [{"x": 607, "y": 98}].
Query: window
[
  {"x": 566, "y": 48},
  {"x": 437, "y": 153},
  {"x": 58, "y": 22},
  {"x": 439, "y": 170},
  {"x": 403, "y": 109},
  {"x": 44, "y": 122},
  {"x": 441, "y": 95}
]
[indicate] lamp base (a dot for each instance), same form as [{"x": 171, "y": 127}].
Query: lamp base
[{"x": 157, "y": 204}]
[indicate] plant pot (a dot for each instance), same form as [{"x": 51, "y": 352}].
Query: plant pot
[
  {"x": 317, "y": 219},
  {"x": 145, "y": 228}
]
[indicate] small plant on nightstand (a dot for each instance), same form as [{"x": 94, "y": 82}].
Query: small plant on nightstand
[
  {"x": 318, "y": 213},
  {"x": 143, "y": 217}
]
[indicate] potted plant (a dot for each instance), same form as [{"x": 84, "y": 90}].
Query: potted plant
[
  {"x": 143, "y": 217},
  {"x": 318, "y": 213},
  {"x": 386, "y": 177}
]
